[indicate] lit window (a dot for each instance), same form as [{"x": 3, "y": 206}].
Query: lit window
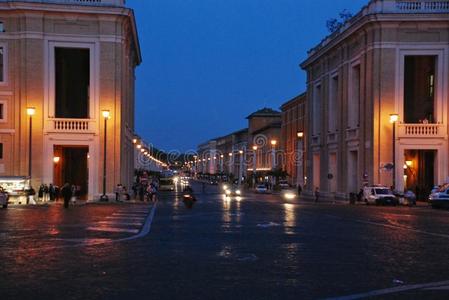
[
  {"x": 431, "y": 85},
  {"x": 2, "y": 64}
]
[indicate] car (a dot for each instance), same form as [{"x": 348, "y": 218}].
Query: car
[
  {"x": 261, "y": 189},
  {"x": 379, "y": 195},
  {"x": 4, "y": 198},
  {"x": 166, "y": 184},
  {"x": 440, "y": 198},
  {"x": 283, "y": 184},
  {"x": 232, "y": 192},
  {"x": 289, "y": 194}
]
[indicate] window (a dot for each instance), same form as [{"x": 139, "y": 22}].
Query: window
[
  {"x": 354, "y": 97},
  {"x": 2, "y": 117},
  {"x": 1, "y": 150},
  {"x": 3, "y": 111},
  {"x": 316, "y": 107},
  {"x": 2, "y": 64},
  {"x": 333, "y": 100},
  {"x": 419, "y": 88},
  {"x": 72, "y": 71}
]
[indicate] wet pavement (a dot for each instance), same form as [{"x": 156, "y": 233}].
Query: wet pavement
[{"x": 256, "y": 247}]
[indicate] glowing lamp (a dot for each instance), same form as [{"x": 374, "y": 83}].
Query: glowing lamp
[
  {"x": 394, "y": 118},
  {"x": 56, "y": 159},
  {"x": 106, "y": 114},
  {"x": 31, "y": 111}
]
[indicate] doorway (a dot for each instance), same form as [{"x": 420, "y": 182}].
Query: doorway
[
  {"x": 71, "y": 166},
  {"x": 419, "y": 172}
]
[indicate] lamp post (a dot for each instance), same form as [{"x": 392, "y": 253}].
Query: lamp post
[
  {"x": 254, "y": 164},
  {"x": 241, "y": 167},
  {"x": 106, "y": 115},
  {"x": 393, "y": 120},
  {"x": 221, "y": 164},
  {"x": 30, "y": 112},
  {"x": 230, "y": 163},
  {"x": 301, "y": 165},
  {"x": 273, "y": 154}
]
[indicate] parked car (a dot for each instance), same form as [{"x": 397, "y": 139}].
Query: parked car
[
  {"x": 261, "y": 189},
  {"x": 440, "y": 198},
  {"x": 379, "y": 195},
  {"x": 4, "y": 198},
  {"x": 283, "y": 184}
]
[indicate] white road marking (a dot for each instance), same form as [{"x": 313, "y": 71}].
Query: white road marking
[
  {"x": 121, "y": 223},
  {"x": 125, "y": 218},
  {"x": 393, "y": 290},
  {"x": 113, "y": 229},
  {"x": 96, "y": 242}
]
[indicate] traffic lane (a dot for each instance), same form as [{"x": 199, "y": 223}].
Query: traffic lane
[
  {"x": 34, "y": 228},
  {"x": 217, "y": 250},
  {"x": 422, "y": 219},
  {"x": 320, "y": 248}
]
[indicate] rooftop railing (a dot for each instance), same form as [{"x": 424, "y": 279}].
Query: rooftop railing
[
  {"x": 119, "y": 3},
  {"x": 389, "y": 7}
]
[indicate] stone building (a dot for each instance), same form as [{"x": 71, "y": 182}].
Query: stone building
[
  {"x": 264, "y": 134},
  {"x": 377, "y": 94},
  {"x": 70, "y": 63},
  {"x": 293, "y": 138}
]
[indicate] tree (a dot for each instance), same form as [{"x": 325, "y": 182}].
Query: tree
[{"x": 334, "y": 24}]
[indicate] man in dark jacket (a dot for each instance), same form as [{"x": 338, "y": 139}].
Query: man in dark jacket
[{"x": 66, "y": 193}]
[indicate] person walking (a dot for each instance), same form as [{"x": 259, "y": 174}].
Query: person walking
[
  {"x": 317, "y": 194},
  {"x": 66, "y": 193},
  {"x": 299, "y": 190},
  {"x": 51, "y": 191},
  {"x": 40, "y": 194}
]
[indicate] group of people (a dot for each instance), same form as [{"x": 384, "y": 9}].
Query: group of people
[{"x": 146, "y": 190}]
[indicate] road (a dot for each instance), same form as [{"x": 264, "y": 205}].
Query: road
[{"x": 257, "y": 247}]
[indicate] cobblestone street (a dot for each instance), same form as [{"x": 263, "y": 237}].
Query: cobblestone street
[{"x": 257, "y": 247}]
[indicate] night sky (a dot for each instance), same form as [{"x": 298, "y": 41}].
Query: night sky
[{"x": 207, "y": 64}]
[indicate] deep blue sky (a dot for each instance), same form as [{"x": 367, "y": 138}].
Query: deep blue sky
[{"x": 207, "y": 64}]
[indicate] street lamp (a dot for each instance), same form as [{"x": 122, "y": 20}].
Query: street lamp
[
  {"x": 301, "y": 147},
  {"x": 31, "y": 111},
  {"x": 240, "y": 167},
  {"x": 394, "y": 118},
  {"x": 273, "y": 153},
  {"x": 106, "y": 115},
  {"x": 254, "y": 164}
]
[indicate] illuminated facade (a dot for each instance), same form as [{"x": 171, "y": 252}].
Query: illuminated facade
[
  {"x": 70, "y": 60},
  {"x": 391, "y": 59},
  {"x": 293, "y": 138}
]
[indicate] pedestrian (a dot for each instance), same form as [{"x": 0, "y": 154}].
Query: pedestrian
[
  {"x": 118, "y": 192},
  {"x": 317, "y": 194},
  {"x": 30, "y": 199},
  {"x": 51, "y": 191},
  {"x": 141, "y": 192},
  {"x": 40, "y": 194},
  {"x": 74, "y": 191},
  {"x": 299, "y": 190},
  {"x": 46, "y": 193},
  {"x": 66, "y": 193}
]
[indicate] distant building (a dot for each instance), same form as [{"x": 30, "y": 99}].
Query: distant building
[
  {"x": 389, "y": 63},
  {"x": 293, "y": 138},
  {"x": 69, "y": 60},
  {"x": 264, "y": 138}
]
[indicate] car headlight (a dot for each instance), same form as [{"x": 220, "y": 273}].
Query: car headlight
[
  {"x": 289, "y": 196},
  {"x": 225, "y": 187},
  {"x": 228, "y": 192},
  {"x": 238, "y": 192}
]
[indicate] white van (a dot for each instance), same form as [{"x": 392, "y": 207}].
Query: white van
[{"x": 166, "y": 184}]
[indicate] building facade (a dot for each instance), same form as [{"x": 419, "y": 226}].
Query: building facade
[
  {"x": 377, "y": 100},
  {"x": 293, "y": 139},
  {"x": 264, "y": 140},
  {"x": 69, "y": 64}
]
